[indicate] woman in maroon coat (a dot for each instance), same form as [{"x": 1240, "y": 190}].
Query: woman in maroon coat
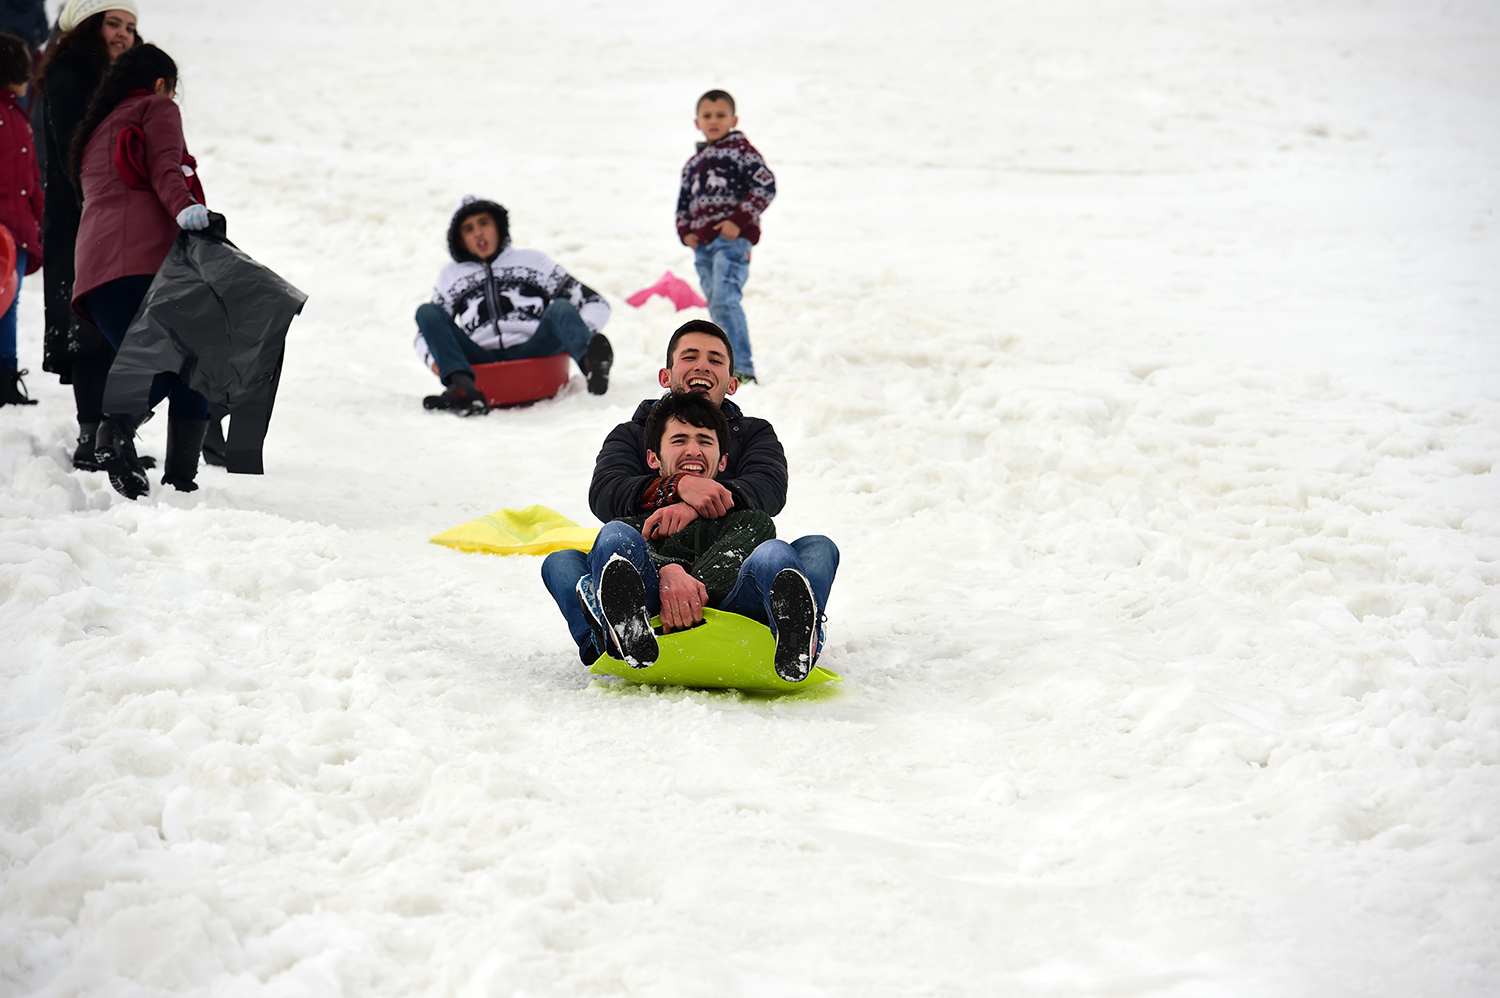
[
  {"x": 139, "y": 191},
  {"x": 20, "y": 200},
  {"x": 70, "y": 70}
]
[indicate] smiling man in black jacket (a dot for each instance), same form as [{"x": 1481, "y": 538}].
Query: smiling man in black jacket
[
  {"x": 626, "y": 485},
  {"x": 699, "y": 359}
]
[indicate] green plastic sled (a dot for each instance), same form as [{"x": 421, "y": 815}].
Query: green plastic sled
[{"x": 728, "y": 652}]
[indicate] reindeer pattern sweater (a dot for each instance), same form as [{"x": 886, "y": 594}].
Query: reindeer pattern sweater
[
  {"x": 500, "y": 303},
  {"x": 724, "y": 179}
]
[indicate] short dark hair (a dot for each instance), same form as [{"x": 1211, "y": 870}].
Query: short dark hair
[
  {"x": 700, "y": 326},
  {"x": 723, "y": 95},
  {"x": 694, "y": 410},
  {"x": 15, "y": 59}
]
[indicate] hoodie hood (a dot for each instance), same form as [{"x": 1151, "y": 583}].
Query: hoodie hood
[{"x": 468, "y": 206}]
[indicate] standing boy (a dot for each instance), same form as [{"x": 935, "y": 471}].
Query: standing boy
[
  {"x": 675, "y": 562},
  {"x": 725, "y": 187}
]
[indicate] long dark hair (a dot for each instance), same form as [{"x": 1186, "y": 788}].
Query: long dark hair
[
  {"x": 137, "y": 69},
  {"x": 86, "y": 39}
]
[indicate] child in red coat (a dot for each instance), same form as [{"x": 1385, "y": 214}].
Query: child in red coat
[{"x": 20, "y": 200}]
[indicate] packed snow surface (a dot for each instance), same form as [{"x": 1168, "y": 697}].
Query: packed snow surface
[{"x": 1142, "y": 358}]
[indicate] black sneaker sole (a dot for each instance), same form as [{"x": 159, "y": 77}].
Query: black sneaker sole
[
  {"x": 622, "y": 597},
  {"x": 600, "y": 357},
  {"x": 796, "y": 619}
]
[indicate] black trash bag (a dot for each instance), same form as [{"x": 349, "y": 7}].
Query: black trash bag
[{"x": 218, "y": 319}]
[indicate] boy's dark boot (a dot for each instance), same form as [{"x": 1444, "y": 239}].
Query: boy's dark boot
[
  {"x": 13, "y": 389},
  {"x": 796, "y": 617},
  {"x": 114, "y": 448},
  {"x": 184, "y": 443},
  {"x": 461, "y": 397},
  {"x": 598, "y": 358},
  {"x": 622, "y": 597},
  {"x": 83, "y": 454}
]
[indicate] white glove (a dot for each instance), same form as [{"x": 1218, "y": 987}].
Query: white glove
[{"x": 194, "y": 217}]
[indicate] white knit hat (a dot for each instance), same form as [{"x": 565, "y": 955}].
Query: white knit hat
[{"x": 78, "y": 11}]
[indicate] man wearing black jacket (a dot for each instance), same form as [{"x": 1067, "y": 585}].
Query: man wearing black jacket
[{"x": 699, "y": 359}]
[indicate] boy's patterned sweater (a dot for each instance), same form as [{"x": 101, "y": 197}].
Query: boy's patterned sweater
[
  {"x": 500, "y": 303},
  {"x": 725, "y": 179}
]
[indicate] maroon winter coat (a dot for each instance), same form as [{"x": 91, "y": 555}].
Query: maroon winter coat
[
  {"x": 129, "y": 229},
  {"x": 20, "y": 181}
]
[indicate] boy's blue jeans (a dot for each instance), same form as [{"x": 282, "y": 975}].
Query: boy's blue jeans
[
  {"x": 815, "y": 556},
  {"x": 723, "y": 268},
  {"x": 8, "y": 320},
  {"x": 561, "y": 330}
]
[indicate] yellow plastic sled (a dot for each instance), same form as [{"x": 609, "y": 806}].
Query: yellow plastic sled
[
  {"x": 533, "y": 530},
  {"x": 727, "y": 652}
]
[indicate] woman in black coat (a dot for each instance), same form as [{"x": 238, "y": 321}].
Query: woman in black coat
[{"x": 74, "y": 63}]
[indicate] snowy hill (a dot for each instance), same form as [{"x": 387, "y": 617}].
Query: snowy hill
[{"x": 1142, "y": 359}]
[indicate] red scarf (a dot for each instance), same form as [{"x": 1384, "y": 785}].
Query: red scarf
[{"x": 130, "y": 160}]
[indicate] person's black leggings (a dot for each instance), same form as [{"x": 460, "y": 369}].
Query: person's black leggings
[{"x": 113, "y": 307}]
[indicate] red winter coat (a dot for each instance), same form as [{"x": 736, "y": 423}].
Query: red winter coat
[
  {"x": 128, "y": 225},
  {"x": 20, "y": 181}
]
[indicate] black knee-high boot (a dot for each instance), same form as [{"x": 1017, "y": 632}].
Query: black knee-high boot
[{"x": 184, "y": 444}]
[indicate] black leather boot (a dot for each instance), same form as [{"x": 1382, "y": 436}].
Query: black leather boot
[
  {"x": 83, "y": 454},
  {"x": 184, "y": 443},
  {"x": 13, "y": 389},
  {"x": 114, "y": 448}
]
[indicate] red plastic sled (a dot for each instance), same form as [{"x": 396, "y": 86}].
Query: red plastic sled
[
  {"x": 7, "y": 269},
  {"x": 516, "y": 382}
]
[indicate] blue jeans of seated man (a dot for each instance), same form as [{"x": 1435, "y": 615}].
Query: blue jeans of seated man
[
  {"x": 561, "y": 330},
  {"x": 815, "y": 556},
  {"x": 723, "y": 268},
  {"x": 113, "y": 306},
  {"x": 8, "y": 320}
]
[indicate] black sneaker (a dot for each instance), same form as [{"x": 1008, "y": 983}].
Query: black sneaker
[
  {"x": 622, "y": 597},
  {"x": 796, "y": 619},
  {"x": 597, "y": 360},
  {"x": 461, "y": 397},
  {"x": 745, "y": 378},
  {"x": 114, "y": 448}
]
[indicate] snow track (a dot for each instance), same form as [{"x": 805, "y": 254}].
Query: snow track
[{"x": 1142, "y": 360}]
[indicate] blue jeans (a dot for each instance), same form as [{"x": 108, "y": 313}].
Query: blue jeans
[
  {"x": 112, "y": 307},
  {"x": 8, "y": 320},
  {"x": 561, "y": 330},
  {"x": 815, "y": 556},
  {"x": 723, "y": 268}
]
